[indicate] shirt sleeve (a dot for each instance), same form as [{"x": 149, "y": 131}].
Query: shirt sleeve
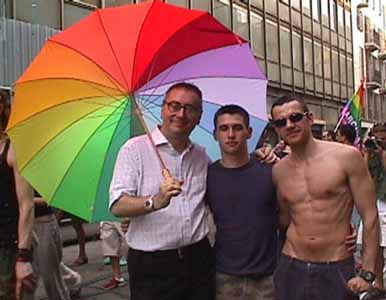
[{"x": 126, "y": 173}]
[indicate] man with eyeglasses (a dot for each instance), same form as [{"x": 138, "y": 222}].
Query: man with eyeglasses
[
  {"x": 317, "y": 185},
  {"x": 170, "y": 256}
]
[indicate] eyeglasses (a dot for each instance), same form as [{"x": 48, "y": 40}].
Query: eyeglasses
[
  {"x": 294, "y": 118},
  {"x": 175, "y": 107}
]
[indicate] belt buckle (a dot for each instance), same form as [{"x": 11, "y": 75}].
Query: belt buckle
[{"x": 180, "y": 253}]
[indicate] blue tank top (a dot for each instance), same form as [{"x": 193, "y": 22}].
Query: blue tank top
[{"x": 9, "y": 209}]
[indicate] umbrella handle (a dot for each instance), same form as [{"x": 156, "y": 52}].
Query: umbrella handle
[{"x": 166, "y": 174}]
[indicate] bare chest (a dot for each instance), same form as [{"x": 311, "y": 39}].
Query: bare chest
[{"x": 319, "y": 180}]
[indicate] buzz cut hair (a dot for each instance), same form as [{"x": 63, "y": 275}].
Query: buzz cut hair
[
  {"x": 287, "y": 99},
  {"x": 231, "y": 109}
]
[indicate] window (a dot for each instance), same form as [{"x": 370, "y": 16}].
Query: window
[
  {"x": 257, "y": 3},
  {"x": 316, "y": 10},
  {"x": 285, "y": 45},
  {"x": 74, "y": 13},
  {"x": 335, "y": 66},
  {"x": 342, "y": 63},
  {"x": 39, "y": 12},
  {"x": 272, "y": 41},
  {"x": 327, "y": 62},
  {"x": 182, "y": 3},
  {"x": 324, "y": 9},
  {"x": 333, "y": 15},
  {"x": 308, "y": 59},
  {"x": 257, "y": 35},
  {"x": 240, "y": 21},
  {"x": 222, "y": 11},
  {"x": 109, "y": 3},
  {"x": 350, "y": 75},
  {"x": 295, "y": 4},
  {"x": 340, "y": 20},
  {"x": 306, "y": 7},
  {"x": 348, "y": 24},
  {"x": 201, "y": 4},
  {"x": 297, "y": 51},
  {"x": 318, "y": 59}
]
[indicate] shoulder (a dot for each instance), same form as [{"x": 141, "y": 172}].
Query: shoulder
[
  {"x": 280, "y": 167},
  {"x": 201, "y": 153},
  {"x": 344, "y": 151}
]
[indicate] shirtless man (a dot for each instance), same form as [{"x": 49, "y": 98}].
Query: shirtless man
[{"x": 317, "y": 186}]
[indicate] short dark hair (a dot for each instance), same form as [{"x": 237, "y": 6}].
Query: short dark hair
[
  {"x": 231, "y": 109},
  {"x": 186, "y": 86},
  {"x": 289, "y": 98},
  {"x": 348, "y": 132},
  {"x": 4, "y": 112}
]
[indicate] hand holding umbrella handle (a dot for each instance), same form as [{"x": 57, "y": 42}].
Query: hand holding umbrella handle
[{"x": 166, "y": 174}]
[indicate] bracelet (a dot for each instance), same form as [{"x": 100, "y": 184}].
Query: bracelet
[{"x": 24, "y": 255}]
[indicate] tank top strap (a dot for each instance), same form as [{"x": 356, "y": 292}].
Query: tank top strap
[{"x": 5, "y": 150}]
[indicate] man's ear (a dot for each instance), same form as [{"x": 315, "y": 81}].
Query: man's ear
[
  {"x": 250, "y": 131},
  {"x": 214, "y": 135},
  {"x": 310, "y": 117}
]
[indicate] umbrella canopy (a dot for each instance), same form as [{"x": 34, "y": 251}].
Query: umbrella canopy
[{"x": 75, "y": 105}]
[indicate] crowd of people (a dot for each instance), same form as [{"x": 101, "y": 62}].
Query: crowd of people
[{"x": 308, "y": 192}]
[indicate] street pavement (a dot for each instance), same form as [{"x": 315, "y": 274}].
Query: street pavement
[{"x": 95, "y": 274}]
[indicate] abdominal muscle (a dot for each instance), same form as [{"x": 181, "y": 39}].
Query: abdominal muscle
[{"x": 318, "y": 230}]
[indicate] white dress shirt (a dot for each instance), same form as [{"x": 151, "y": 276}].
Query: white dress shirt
[{"x": 138, "y": 173}]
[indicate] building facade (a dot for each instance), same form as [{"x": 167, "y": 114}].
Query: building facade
[
  {"x": 369, "y": 32},
  {"x": 304, "y": 46}
]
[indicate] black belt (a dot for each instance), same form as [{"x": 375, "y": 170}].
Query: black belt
[{"x": 181, "y": 252}]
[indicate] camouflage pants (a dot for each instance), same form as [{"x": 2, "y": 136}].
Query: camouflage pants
[
  {"x": 230, "y": 287},
  {"x": 7, "y": 275}
]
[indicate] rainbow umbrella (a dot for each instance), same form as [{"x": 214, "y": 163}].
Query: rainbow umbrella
[{"x": 92, "y": 85}]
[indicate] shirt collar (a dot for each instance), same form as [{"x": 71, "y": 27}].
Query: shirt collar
[{"x": 159, "y": 139}]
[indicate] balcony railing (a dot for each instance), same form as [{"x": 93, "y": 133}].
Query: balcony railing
[
  {"x": 363, "y": 4},
  {"x": 371, "y": 36},
  {"x": 382, "y": 50},
  {"x": 382, "y": 89}
]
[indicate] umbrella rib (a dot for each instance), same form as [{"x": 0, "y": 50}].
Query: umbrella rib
[
  {"x": 136, "y": 45},
  {"x": 80, "y": 150},
  {"x": 110, "y": 78},
  {"x": 112, "y": 50}
]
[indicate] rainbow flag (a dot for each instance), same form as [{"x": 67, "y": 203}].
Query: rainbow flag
[{"x": 353, "y": 111}]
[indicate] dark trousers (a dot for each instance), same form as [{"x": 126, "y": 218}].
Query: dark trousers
[
  {"x": 182, "y": 274},
  {"x": 295, "y": 279}
]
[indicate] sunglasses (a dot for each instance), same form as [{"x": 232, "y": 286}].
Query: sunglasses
[{"x": 294, "y": 118}]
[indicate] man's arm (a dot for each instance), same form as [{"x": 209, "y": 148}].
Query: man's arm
[
  {"x": 284, "y": 216},
  {"x": 24, "y": 192},
  {"x": 128, "y": 206},
  {"x": 363, "y": 192}
]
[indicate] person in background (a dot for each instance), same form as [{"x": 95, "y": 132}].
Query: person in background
[
  {"x": 329, "y": 136},
  {"x": 114, "y": 246},
  {"x": 375, "y": 156},
  {"x": 60, "y": 282},
  {"x": 346, "y": 134},
  {"x": 17, "y": 278}
]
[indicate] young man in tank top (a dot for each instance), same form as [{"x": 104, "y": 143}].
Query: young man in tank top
[
  {"x": 17, "y": 280},
  {"x": 317, "y": 185}
]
